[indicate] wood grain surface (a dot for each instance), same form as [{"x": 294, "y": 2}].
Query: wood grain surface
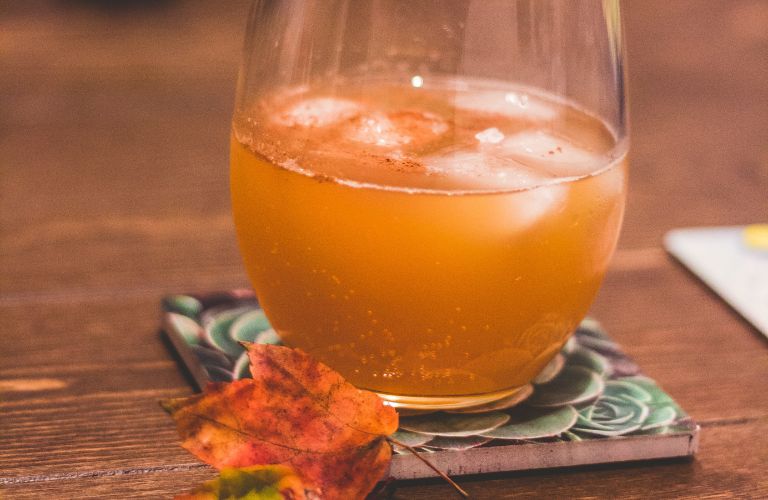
[{"x": 113, "y": 192}]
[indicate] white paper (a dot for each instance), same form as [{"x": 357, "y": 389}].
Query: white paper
[{"x": 719, "y": 256}]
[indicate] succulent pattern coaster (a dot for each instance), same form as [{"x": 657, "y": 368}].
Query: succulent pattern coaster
[
  {"x": 453, "y": 425},
  {"x": 590, "y": 392}
]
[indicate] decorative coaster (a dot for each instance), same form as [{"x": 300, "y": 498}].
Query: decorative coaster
[{"x": 590, "y": 405}]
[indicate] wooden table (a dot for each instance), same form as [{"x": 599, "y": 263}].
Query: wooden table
[{"x": 113, "y": 192}]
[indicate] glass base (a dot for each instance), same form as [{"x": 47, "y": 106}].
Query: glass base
[{"x": 436, "y": 403}]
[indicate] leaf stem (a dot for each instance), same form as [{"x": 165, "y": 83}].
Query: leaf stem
[{"x": 430, "y": 465}]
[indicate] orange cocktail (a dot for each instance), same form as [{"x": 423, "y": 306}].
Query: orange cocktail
[{"x": 431, "y": 244}]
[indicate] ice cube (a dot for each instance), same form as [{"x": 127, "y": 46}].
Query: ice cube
[
  {"x": 524, "y": 209},
  {"x": 318, "y": 112},
  {"x": 420, "y": 125},
  {"x": 554, "y": 155},
  {"x": 397, "y": 128},
  {"x": 515, "y": 104},
  {"x": 610, "y": 183},
  {"x": 478, "y": 170},
  {"x": 531, "y": 197},
  {"x": 490, "y": 136},
  {"x": 459, "y": 163},
  {"x": 376, "y": 129}
]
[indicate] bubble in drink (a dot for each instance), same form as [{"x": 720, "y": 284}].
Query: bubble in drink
[{"x": 407, "y": 236}]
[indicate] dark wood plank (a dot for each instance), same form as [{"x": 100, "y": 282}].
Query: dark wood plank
[
  {"x": 114, "y": 132},
  {"x": 722, "y": 469},
  {"x": 50, "y": 437},
  {"x": 665, "y": 295},
  {"x": 69, "y": 335},
  {"x": 104, "y": 381}
]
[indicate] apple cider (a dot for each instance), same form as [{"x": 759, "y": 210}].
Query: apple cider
[{"x": 432, "y": 243}]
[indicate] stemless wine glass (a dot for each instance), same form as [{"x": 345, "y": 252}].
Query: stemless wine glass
[{"x": 427, "y": 192}]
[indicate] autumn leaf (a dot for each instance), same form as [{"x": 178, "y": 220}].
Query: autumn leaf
[
  {"x": 260, "y": 482},
  {"x": 295, "y": 411}
]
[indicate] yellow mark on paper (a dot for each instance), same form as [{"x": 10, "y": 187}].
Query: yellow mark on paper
[{"x": 756, "y": 236}]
